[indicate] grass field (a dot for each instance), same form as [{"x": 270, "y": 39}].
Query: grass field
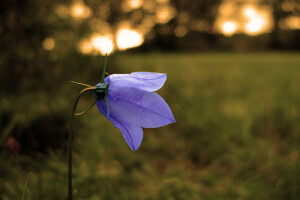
[{"x": 236, "y": 136}]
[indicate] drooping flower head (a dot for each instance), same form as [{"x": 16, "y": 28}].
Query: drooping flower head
[{"x": 130, "y": 103}]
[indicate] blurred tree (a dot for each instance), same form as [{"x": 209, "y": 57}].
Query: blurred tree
[
  {"x": 281, "y": 9},
  {"x": 191, "y": 12},
  {"x": 198, "y": 17},
  {"x": 36, "y": 51},
  {"x": 24, "y": 27}
]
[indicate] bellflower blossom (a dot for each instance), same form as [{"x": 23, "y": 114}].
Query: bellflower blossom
[
  {"x": 129, "y": 102},
  {"x": 132, "y": 104}
]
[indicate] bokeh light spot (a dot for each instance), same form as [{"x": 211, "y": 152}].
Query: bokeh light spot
[
  {"x": 164, "y": 14},
  {"x": 85, "y": 46},
  {"x": 249, "y": 18},
  {"x": 79, "y": 10},
  {"x": 292, "y": 22},
  {"x": 249, "y": 11},
  {"x": 103, "y": 44},
  {"x": 229, "y": 28},
  {"x": 127, "y": 38},
  {"x": 254, "y": 26},
  {"x": 180, "y": 31},
  {"x": 129, "y": 5},
  {"x": 48, "y": 44}
]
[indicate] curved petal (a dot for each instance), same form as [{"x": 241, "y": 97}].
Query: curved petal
[
  {"x": 132, "y": 133},
  {"x": 141, "y": 80},
  {"x": 133, "y": 106}
]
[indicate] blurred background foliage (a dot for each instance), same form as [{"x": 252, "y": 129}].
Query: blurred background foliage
[{"x": 233, "y": 86}]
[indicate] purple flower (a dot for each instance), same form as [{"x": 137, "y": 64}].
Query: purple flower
[{"x": 132, "y": 104}]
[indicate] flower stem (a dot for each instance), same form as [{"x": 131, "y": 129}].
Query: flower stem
[
  {"x": 70, "y": 142},
  {"x": 104, "y": 69},
  {"x": 70, "y": 196}
]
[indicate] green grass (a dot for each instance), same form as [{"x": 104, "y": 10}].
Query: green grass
[{"x": 236, "y": 136}]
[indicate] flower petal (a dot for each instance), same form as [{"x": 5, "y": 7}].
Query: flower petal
[
  {"x": 142, "y": 80},
  {"x": 132, "y": 133},
  {"x": 134, "y": 106}
]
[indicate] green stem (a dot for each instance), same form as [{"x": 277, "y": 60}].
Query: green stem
[
  {"x": 70, "y": 142},
  {"x": 70, "y": 196},
  {"x": 104, "y": 69}
]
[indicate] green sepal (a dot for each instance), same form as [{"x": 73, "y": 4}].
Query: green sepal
[{"x": 101, "y": 90}]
